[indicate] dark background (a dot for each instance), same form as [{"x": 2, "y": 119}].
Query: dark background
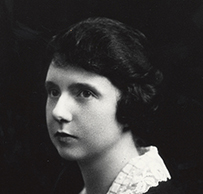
[{"x": 28, "y": 161}]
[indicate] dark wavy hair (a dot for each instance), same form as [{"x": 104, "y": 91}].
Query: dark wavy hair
[{"x": 110, "y": 48}]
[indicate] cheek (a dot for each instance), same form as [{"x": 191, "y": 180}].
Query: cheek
[
  {"x": 48, "y": 112},
  {"x": 98, "y": 118},
  {"x": 104, "y": 111},
  {"x": 107, "y": 111},
  {"x": 49, "y": 107},
  {"x": 101, "y": 128},
  {"x": 49, "y": 117}
]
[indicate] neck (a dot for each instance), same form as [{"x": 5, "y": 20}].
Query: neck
[{"x": 100, "y": 172}]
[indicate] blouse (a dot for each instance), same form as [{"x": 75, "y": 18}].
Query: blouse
[{"x": 140, "y": 174}]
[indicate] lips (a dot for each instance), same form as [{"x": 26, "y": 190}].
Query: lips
[
  {"x": 62, "y": 134},
  {"x": 64, "y": 137}
]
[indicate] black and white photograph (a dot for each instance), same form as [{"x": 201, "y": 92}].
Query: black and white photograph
[{"x": 101, "y": 97}]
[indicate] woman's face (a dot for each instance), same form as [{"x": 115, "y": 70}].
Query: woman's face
[{"x": 81, "y": 113}]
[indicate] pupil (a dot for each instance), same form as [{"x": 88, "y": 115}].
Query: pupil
[
  {"x": 86, "y": 94},
  {"x": 54, "y": 93}
]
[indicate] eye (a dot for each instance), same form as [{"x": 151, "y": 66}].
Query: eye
[
  {"x": 86, "y": 94},
  {"x": 53, "y": 93}
]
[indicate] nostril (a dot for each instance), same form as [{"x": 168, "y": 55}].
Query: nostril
[{"x": 62, "y": 120}]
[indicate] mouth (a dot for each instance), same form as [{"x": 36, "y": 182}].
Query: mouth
[
  {"x": 64, "y": 137},
  {"x": 62, "y": 134}
]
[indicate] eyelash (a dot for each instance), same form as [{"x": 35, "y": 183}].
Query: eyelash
[
  {"x": 50, "y": 93},
  {"x": 80, "y": 94},
  {"x": 88, "y": 92}
]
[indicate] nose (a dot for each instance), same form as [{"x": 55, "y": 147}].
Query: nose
[{"x": 62, "y": 110}]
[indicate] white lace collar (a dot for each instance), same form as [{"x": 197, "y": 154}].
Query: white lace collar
[{"x": 140, "y": 174}]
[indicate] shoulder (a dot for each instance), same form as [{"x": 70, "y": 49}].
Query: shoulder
[
  {"x": 168, "y": 187},
  {"x": 141, "y": 174}
]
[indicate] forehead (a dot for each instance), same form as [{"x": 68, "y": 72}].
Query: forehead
[
  {"x": 71, "y": 72},
  {"x": 74, "y": 75}
]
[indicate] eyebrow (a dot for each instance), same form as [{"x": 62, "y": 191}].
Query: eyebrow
[
  {"x": 75, "y": 86},
  {"x": 84, "y": 86},
  {"x": 49, "y": 84}
]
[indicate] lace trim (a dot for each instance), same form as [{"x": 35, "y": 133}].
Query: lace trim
[{"x": 140, "y": 174}]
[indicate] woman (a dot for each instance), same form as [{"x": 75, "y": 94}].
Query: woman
[{"x": 100, "y": 87}]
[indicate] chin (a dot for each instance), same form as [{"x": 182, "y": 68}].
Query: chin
[{"x": 68, "y": 155}]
